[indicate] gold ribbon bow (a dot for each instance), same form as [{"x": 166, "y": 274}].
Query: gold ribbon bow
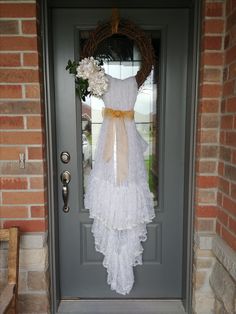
[{"x": 116, "y": 131}]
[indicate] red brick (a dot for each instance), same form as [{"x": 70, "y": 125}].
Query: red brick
[
  {"x": 228, "y": 88},
  {"x": 38, "y": 225},
  {"x": 21, "y": 107},
  {"x": 232, "y": 225},
  {"x": 208, "y": 151},
  {"x": 214, "y": 9},
  {"x": 206, "y": 196},
  {"x": 209, "y": 105},
  {"x": 19, "y": 76},
  {"x": 226, "y": 42},
  {"x": 232, "y": 70},
  {"x": 233, "y": 34},
  {"x": 228, "y": 7},
  {"x": 223, "y": 217},
  {"x": 225, "y": 153},
  {"x": 205, "y": 225},
  {"x": 227, "y": 122},
  {"x": 18, "y": 43},
  {"x": 210, "y": 90},
  {"x": 231, "y": 20},
  {"x": 38, "y": 211},
  {"x": 219, "y": 198},
  {"x": 10, "y": 153},
  {"x": 13, "y": 212},
  {"x": 231, "y": 138},
  {"x": 34, "y": 122},
  {"x": 208, "y": 136},
  {"x": 209, "y": 121},
  {"x": 224, "y": 185},
  {"x": 211, "y": 75},
  {"x": 37, "y": 183},
  {"x": 233, "y": 4},
  {"x": 9, "y": 59},
  {"x": 213, "y": 26},
  {"x": 212, "y": 58},
  {"x": 206, "y": 211},
  {"x": 223, "y": 105},
  {"x": 230, "y": 172},
  {"x": 17, "y": 10},
  {"x": 212, "y": 43},
  {"x": 30, "y": 59},
  {"x": 29, "y": 27},
  {"x": 9, "y": 27},
  {"x": 31, "y": 168},
  {"x": 207, "y": 181},
  {"x": 222, "y": 137},
  {"x": 231, "y": 104},
  {"x": 21, "y": 137},
  {"x": 23, "y": 197},
  {"x": 234, "y": 157},
  {"x": 218, "y": 228},
  {"x": 221, "y": 168},
  {"x": 32, "y": 91},
  {"x": 230, "y": 55},
  {"x": 206, "y": 167},
  {"x": 11, "y": 183},
  {"x": 7, "y": 122},
  {"x": 35, "y": 153},
  {"x": 233, "y": 190},
  {"x": 229, "y": 238},
  {"x": 10, "y": 91},
  {"x": 229, "y": 205}
]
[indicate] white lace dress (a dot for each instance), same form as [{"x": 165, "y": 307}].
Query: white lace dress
[{"x": 120, "y": 212}]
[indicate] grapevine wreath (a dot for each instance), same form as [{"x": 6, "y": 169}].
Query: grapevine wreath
[{"x": 132, "y": 31}]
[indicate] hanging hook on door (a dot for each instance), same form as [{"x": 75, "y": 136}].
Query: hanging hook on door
[{"x": 115, "y": 20}]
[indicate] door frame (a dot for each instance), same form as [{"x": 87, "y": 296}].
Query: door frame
[{"x": 194, "y": 7}]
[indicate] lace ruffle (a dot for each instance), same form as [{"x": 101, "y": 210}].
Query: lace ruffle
[
  {"x": 122, "y": 250},
  {"x": 119, "y": 207}
]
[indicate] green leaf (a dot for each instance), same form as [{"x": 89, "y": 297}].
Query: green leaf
[{"x": 81, "y": 85}]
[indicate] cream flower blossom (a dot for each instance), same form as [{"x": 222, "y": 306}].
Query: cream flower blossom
[{"x": 89, "y": 69}]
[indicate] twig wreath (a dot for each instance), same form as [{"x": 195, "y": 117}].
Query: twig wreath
[
  {"x": 129, "y": 29},
  {"x": 106, "y": 30}
]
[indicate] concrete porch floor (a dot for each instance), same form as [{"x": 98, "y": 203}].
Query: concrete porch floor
[{"x": 122, "y": 307}]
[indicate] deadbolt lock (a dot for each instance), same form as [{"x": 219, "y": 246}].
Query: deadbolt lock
[{"x": 65, "y": 157}]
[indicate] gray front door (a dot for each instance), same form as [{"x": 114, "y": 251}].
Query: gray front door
[{"x": 160, "y": 118}]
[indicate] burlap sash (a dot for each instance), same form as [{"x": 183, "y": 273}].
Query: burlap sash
[{"x": 116, "y": 130}]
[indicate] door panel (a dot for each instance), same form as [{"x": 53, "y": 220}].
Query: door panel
[{"x": 81, "y": 272}]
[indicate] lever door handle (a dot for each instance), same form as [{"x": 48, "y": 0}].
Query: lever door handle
[{"x": 65, "y": 179}]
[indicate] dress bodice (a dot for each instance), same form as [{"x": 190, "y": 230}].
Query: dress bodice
[{"x": 121, "y": 94}]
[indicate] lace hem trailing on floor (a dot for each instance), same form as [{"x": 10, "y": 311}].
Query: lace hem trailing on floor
[{"x": 120, "y": 216}]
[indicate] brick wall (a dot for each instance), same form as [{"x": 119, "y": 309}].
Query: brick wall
[
  {"x": 210, "y": 93},
  {"x": 226, "y": 215},
  {"x": 215, "y": 205},
  {"x": 22, "y": 198},
  {"x": 216, "y": 138}
]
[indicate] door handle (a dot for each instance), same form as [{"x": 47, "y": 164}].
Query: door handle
[{"x": 65, "y": 179}]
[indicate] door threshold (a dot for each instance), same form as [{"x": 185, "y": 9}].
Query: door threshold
[{"x": 122, "y": 307}]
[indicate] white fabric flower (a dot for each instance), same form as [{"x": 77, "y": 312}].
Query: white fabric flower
[{"x": 89, "y": 69}]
